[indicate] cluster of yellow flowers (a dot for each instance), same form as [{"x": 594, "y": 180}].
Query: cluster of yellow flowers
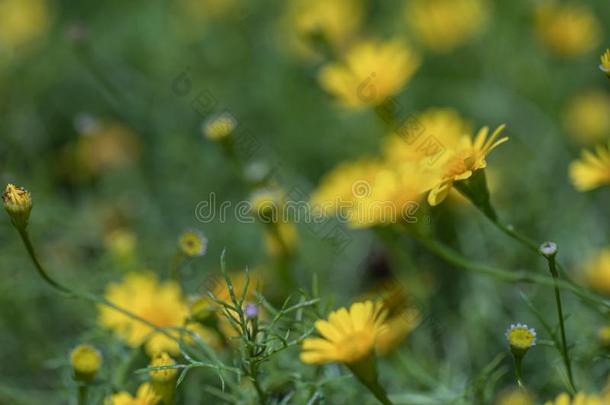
[{"x": 434, "y": 153}]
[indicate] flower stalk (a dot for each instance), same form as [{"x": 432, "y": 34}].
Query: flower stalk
[{"x": 549, "y": 251}]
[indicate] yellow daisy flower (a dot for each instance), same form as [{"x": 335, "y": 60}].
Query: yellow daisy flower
[
  {"x": 587, "y": 116},
  {"x": 605, "y": 62},
  {"x": 192, "y": 243},
  {"x": 347, "y": 336},
  {"x": 366, "y": 193},
  {"x": 443, "y": 25},
  {"x": 592, "y": 170},
  {"x": 466, "y": 159},
  {"x": 567, "y": 30},
  {"x": 371, "y": 72},
  {"x": 160, "y": 360},
  {"x": 443, "y": 126},
  {"x": 161, "y": 304},
  {"x": 145, "y": 396},
  {"x": 597, "y": 271}
]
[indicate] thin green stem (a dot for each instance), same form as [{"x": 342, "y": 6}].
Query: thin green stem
[
  {"x": 83, "y": 390},
  {"x": 518, "y": 372},
  {"x": 23, "y": 233},
  {"x": 453, "y": 257},
  {"x": 564, "y": 343}
]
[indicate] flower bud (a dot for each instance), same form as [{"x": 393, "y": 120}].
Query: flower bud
[
  {"x": 164, "y": 375},
  {"x": 18, "y": 204},
  {"x": 520, "y": 338},
  {"x": 219, "y": 126},
  {"x": 86, "y": 361}
]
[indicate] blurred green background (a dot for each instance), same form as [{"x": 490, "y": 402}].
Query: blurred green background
[{"x": 116, "y": 65}]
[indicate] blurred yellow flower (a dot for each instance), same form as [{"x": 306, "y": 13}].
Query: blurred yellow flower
[
  {"x": 103, "y": 147},
  {"x": 604, "y": 336},
  {"x": 443, "y": 25},
  {"x": 401, "y": 319},
  {"x": 22, "y": 21},
  {"x": 587, "y": 116},
  {"x": 347, "y": 336},
  {"x": 219, "y": 126},
  {"x": 460, "y": 163},
  {"x": 287, "y": 231},
  {"x": 371, "y": 72},
  {"x": 333, "y": 22},
  {"x": 517, "y": 396},
  {"x": 145, "y": 396},
  {"x": 567, "y": 30},
  {"x": 597, "y": 271},
  {"x": 370, "y": 192},
  {"x": 581, "y": 399},
  {"x": 592, "y": 170},
  {"x": 444, "y": 125},
  {"x": 161, "y": 304},
  {"x": 192, "y": 243},
  {"x": 605, "y": 62},
  {"x": 120, "y": 243}
]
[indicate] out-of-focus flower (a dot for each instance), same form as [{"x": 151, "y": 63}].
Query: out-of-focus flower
[
  {"x": 592, "y": 170},
  {"x": 567, "y": 30},
  {"x": 163, "y": 359},
  {"x": 605, "y": 62},
  {"x": 101, "y": 147},
  {"x": 266, "y": 205},
  {"x": 312, "y": 23},
  {"x": 443, "y": 25},
  {"x": 520, "y": 338},
  {"x": 86, "y": 361},
  {"x": 163, "y": 380},
  {"x": 18, "y": 204},
  {"x": 121, "y": 243},
  {"x": 192, "y": 243},
  {"x": 587, "y": 116},
  {"x": 347, "y": 336},
  {"x": 287, "y": 232},
  {"x": 219, "y": 126},
  {"x": 161, "y": 304},
  {"x": 581, "y": 399},
  {"x": 402, "y": 318},
  {"x": 597, "y": 271},
  {"x": 369, "y": 192},
  {"x": 371, "y": 72},
  {"x": 22, "y": 22},
  {"x": 145, "y": 396},
  {"x": 517, "y": 396},
  {"x": 462, "y": 162},
  {"x": 426, "y": 136},
  {"x": 604, "y": 336}
]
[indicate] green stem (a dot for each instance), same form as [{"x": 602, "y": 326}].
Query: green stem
[
  {"x": 458, "y": 260},
  {"x": 518, "y": 373},
  {"x": 82, "y": 394},
  {"x": 28, "y": 245},
  {"x": 564, "y": 344}
]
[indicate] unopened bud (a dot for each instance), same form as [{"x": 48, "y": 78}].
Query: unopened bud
[
  {"x": 18, "y": 204},
  {"x": 86, "y": 361}
]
